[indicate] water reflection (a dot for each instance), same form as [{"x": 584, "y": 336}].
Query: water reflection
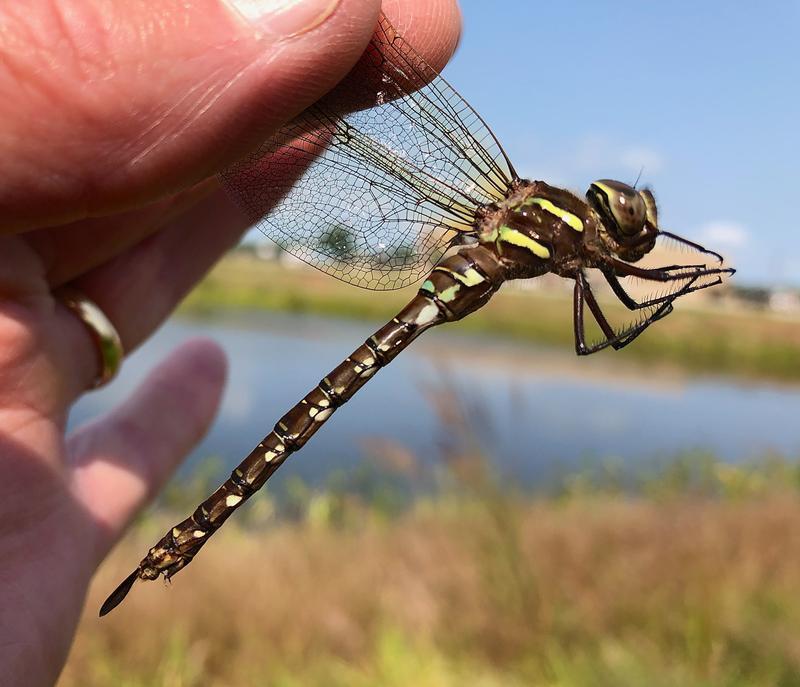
[{"x": 542, "y": 412}]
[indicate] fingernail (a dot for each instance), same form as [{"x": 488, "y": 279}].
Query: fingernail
[{"x": 284, "y": 17}]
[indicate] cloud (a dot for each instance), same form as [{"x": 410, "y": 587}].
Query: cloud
[{"x": 723, "y": 233}]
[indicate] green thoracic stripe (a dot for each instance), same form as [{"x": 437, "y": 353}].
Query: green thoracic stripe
[
  {"x": 448, "y": 294},
  {"x": 567, "y": 217},
  {"x": 517, "y": 238},
  {"x": 428, "y": 286},
  {"x": 471, "y": 276}
]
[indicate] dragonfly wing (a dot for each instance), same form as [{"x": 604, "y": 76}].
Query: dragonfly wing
[{"x": 376, "y": 195}]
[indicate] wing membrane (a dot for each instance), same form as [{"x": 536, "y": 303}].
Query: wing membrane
[{"x": 375, "y": 195}]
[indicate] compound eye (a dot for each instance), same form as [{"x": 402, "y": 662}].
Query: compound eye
[
  {"x": 621, "y": 207},
  {"x": 628, "y": 210},
  {"x": 650, "y": 204}
]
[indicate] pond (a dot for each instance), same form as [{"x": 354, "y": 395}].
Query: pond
[{"x": 537, "y": 413}]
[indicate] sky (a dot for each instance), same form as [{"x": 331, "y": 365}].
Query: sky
[{"x": 705, "y": 96}]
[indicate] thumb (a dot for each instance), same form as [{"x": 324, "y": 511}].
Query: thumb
[{"x": 107, "y": 104}]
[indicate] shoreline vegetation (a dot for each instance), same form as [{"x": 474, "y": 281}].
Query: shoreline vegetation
[
  {"x": 708, "y": 339},
  {"x": 688, "y": 579}
]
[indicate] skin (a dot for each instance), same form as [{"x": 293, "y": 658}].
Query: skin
[{"x": 116, "y": 115}]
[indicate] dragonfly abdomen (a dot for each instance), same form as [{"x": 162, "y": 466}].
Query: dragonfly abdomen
[{"x": 457, "y": 286}]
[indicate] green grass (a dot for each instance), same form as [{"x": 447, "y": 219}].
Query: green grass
[{"x": 739, "y": 343}]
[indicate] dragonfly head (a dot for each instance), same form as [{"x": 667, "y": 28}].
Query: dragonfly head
[
  {"x": 628, "y": 218},
  {"x": 629, "y": 221}
]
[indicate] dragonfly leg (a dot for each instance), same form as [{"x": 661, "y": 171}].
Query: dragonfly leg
[
  {"x": 624, "y": 339},
  {"x": 666, "y": 274},
  {"x": 632, "y": 304},
  {"x": 582, "y": 296}
]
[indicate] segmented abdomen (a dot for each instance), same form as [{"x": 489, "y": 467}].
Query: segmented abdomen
[{"x": 458, "y": 285}]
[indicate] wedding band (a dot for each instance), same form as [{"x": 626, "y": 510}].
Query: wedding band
[{"x": 104, "y": 335}]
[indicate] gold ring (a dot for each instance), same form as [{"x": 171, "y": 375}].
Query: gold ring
[{"x": 105, "y": 336}]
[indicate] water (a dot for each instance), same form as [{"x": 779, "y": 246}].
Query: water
[{"x": 539, "y": 413}]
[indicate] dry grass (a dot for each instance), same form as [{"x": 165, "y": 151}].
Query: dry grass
[{"x": 472, "y": 590}]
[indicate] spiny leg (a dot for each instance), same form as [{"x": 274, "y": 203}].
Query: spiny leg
[
  {"x": 663, "y": 310},
  {"x": 621, "y": 339},
  {"x": 632, "y": 304},
  {"x": 583, "y": 295},
  {"x": 666, "y": 274}
]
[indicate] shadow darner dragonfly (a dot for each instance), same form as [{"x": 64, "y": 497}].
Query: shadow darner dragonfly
[{"x": 391, "y": 177}]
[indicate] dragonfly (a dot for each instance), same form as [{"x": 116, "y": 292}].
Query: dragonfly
[{"x": 394, "y": 176}]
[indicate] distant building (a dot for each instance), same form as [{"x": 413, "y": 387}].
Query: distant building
[{"x": 784, "y": 301}]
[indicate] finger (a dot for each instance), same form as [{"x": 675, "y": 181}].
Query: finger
[
  {"x": 138, "y": 289},
  {"x": 119, "y": 461},
  {"x": 154, "y": 96},
  {"x": 432, "y": 28},
  {"x": 70, "y": 250}
]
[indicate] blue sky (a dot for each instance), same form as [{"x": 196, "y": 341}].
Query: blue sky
[{"x": 705, "y": 95}]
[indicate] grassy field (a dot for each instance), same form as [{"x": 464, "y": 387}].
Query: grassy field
[
  {"x": 741, "y": 343},
  {"x": 691, "y": 581}
]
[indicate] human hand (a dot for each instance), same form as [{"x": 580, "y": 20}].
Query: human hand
[{"x": 116, "y": 116}]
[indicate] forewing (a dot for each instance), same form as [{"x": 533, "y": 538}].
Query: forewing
[{"x": 374, "y": 182}]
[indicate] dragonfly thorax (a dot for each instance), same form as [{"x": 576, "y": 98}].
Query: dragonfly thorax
[{"x": 539, "y": 228}]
